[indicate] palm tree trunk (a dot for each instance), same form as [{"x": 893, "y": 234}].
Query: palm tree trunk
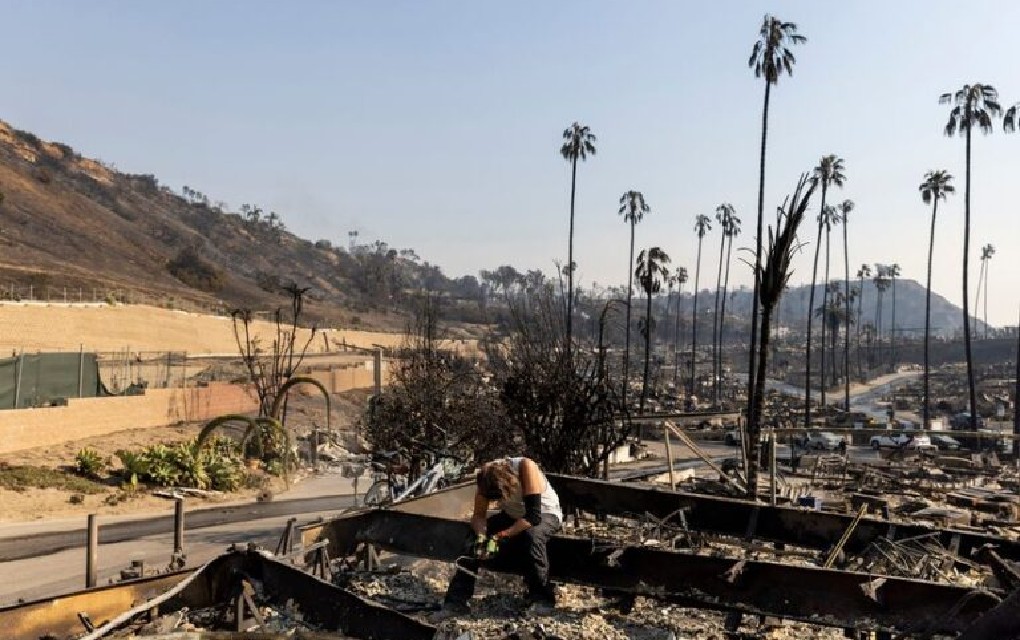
[
  {"x": 715, "y": 325},
  {"x": 570, "y": 258},
  {"x": 825, "y": 315},
  {"x": 648, "y": 335},
  {"x": 753, "y": 438},
  {"x": 892, "y": 330},
  {"x": 676, "y": 344},
  {"x": 966, "y": 303},
  {"x": 722, "y": 307},
  {"x": 926, "y": 402},
  {"x": 694, "y": 321},
  {"x": 630, "y": 297},
  {"x": 810, "y": 316},
  {"x": 846, "y": 336},
  {"x": 860, "y": 318},
  {"x": 752, "y": 417}
]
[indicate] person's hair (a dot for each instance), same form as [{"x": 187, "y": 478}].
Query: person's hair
[{"x": 497, "y": 481}]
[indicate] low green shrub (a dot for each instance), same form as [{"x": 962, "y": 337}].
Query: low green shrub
[{"x": 89, "y": 463}]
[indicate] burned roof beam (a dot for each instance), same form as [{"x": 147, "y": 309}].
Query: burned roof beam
[{"x": 788, "y": 525}]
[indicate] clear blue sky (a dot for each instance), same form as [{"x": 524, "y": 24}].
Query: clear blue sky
[{"x": 436, "y": 125}]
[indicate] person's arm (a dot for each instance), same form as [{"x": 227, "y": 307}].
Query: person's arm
[
  {"x": 531, "y": 489},
  {"x": 479, "y": 513}
]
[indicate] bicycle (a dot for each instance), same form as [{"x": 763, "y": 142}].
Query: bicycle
[{"x": 390, "y": 481}]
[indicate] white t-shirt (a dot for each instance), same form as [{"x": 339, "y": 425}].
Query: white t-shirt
[{"x": 514, "y": 505}]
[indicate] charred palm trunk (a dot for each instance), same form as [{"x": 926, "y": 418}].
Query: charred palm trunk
[
  {"x": 810, "y": 315},
  {"x": 648, "y": 333},
  {"x": 630, "y": 297},
  {"x": 825, "y": 320},
  {"x": 722, "y": 307},
  {"x": 676, "y": 344},
  {"x": 570, "y": 258},
  {"x": 715, "y": 324},
  {"x": 966, "y": 304},
  {"x": 926, "y": 402},
  {"x": 694, "y": 321},
  {"x": 752, "y": 380},
  {"x": 846, "y": 336}
]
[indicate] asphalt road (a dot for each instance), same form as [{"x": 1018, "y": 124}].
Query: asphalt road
[{"x": 21, "y": 547}]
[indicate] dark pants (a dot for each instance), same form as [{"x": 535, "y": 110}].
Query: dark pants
[{"x": 524, "y": 553}]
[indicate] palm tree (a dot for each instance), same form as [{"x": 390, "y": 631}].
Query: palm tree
[
  {"x": 936, "y": 186},
  {"x": 845, "y": 208},
  {"x": 633, "y": 209},
  {"x": 893, "y": 271},
  {"x": 862, "y": 273},
  {"x": 974, "y": 106},
  {"x": 771, "y": 279},
  {"x": 770, "y": 58},
  {"x": 831, "y": 217},
  {"x": 730, "y": 231},
  {"x": 680, "y": 276},
  {"x": 881, "y": 281},
  {"x": 829, "y": 171},
  {"x": 987, "y": 252},
  {"x": 651, "y": 270},
  {"x": 723, "y": 214},
  {"x": 578, "y": 144},
  {"x": 702, "y": 225}
]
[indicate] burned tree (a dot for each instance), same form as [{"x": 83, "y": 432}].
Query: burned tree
[
  {"x": 271, "y": 366},
  {"x": 437, "y": 400},
  {"x": 771, "y": 279},
  {"x": 569, "y": 414}
]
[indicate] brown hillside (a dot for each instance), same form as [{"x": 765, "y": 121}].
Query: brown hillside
[{"x": 69, "y": 222}]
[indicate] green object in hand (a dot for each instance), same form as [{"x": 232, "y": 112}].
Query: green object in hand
[{"x": 492, "y": 546}]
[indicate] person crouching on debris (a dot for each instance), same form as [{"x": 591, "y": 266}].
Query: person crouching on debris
[{"x": 512, "y": 540}]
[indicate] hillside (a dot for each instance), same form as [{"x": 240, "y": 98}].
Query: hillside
[
  {"x": 69, "y": 223},
  {"x": 946, "y": 317}
]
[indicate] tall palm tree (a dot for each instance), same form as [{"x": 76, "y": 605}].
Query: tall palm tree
[
  {"x": 893, "y": 271},
  {"x": 845, "y": 208},
  {"x": 723, "y": 214},
  {"x": 831, "y": 217},
  {"x": 936, "y": 186},
  {"x": 680, "y": 276},
  {"x": 829, "y": 171},
  {"x": 652, "y": 268},
  {"x": 731, "y": 231},
  {"x": 770, "y": 58},
  {"x": 702, "y": 225},
  {"x": 578, "y": 144},
  {"x": 974, "y": 106},
  {"x": 633, "y": 209},
  {"x": 862, "y": 273}
]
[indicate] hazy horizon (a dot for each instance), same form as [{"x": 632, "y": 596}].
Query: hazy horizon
[{"x": 437, "y": 126}]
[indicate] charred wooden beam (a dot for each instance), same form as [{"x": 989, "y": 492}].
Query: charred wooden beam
[
  {"x": 788, "y": 525},
  {"x": 815, "y": 595}
]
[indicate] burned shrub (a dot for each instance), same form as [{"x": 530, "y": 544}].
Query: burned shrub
[{"x": 189, "y": 267}]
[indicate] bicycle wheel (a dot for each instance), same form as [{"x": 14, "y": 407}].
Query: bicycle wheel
[{"x": 379, "y": 494}]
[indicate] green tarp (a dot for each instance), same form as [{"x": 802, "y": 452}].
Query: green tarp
[{"x": 42, "y": 379}]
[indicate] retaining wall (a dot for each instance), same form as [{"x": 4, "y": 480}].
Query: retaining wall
[{"x": 87, "y": 417}]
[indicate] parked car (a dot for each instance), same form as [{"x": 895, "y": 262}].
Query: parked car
[
  {"x": 911, "y": 441},
  {"x": 946, "y": 443},
  {"x": 818, "y": 440}
]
